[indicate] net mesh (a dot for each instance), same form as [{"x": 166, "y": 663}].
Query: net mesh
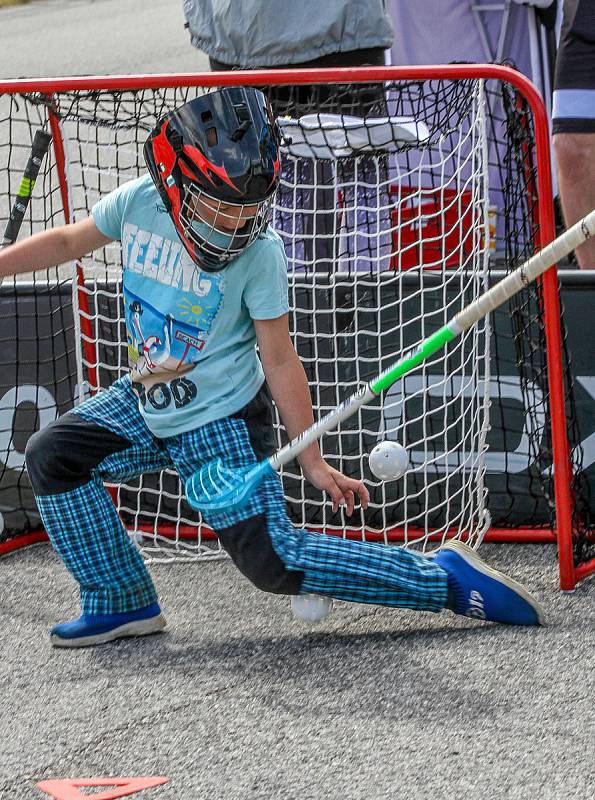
[{"x": 399, "y": 203}]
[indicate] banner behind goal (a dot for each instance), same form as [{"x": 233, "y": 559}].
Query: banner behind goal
[{"x": 404, "y": 192}]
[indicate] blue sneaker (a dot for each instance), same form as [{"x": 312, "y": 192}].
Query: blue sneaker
[
  {"x": 476, "y": 590},
  {"x": 90, "y": 629}
]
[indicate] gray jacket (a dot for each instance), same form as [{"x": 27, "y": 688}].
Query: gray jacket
[{"x": 272, "y": 33}]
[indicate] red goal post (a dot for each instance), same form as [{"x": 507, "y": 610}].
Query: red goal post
[{"x": 538, "y": 182}]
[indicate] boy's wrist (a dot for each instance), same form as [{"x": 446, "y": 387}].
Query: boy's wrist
[{"x": 311, "y": 457}]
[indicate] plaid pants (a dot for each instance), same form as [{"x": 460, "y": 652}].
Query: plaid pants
[{"x": 85, "y": 530}]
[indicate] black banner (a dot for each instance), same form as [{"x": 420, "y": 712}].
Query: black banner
[{"x": 38, "y": 382}]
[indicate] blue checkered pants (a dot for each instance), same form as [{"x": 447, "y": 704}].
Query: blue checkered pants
[{"x": 87, "y": 533}]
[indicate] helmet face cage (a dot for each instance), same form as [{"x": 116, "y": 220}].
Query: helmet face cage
[
  {"x": 220, "y": 231},
  {"x": 215, "y": 163}
]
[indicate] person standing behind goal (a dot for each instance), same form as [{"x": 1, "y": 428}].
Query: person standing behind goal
[
  {"x": 574, "y": 117},
  {"x": 195, "y": 236},
  {"x": 283, "y": 34}
]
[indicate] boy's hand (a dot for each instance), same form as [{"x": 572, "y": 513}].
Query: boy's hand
[{"x": 341, "y": 488}]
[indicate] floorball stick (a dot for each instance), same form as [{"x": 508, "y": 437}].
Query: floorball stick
[
  {"x": 39, "y": 148},
  {"x": 215, "y": 487}
]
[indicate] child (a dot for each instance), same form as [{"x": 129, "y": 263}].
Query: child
[{"x": 205, "y": 280}]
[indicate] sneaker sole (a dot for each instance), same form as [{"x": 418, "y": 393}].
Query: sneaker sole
[
  {"x": 141, "y": 627},
  {"x": 471, "y": 557}
]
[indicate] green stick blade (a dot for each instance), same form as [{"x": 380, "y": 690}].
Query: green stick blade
[{"x": 413, "y": 358}]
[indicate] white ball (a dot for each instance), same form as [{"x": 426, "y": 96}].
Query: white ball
[
  {"x": 311, "y": 607},
  {"x": 389, "y": 461}
]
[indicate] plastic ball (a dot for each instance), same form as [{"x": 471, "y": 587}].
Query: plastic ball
[
  {"x": 311, "y": 608},
  {"x": 389, "y": 461}
]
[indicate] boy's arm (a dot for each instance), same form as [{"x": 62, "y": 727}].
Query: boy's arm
[
  {"x": 52, "y": 247},
  {"x": 289, "y": 386}
]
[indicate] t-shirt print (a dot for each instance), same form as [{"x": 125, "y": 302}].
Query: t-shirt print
[
  {"x": 166, "y": 342},
  {"x": 159, "y": 343}
]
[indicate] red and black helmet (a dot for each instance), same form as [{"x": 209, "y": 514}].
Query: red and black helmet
[{"x": 215, "y": 163}]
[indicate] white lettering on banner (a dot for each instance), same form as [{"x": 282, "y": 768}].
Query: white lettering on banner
[
  {"x": 82, "y": 392},
  {"x": 453, "y": 386},
  {"x": 584, "y": 452},
  {"x": 42, "y": 399},
  {"x": 588, "y": 445}
]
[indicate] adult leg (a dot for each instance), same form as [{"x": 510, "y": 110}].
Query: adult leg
[
  {"x": 103, "y": 439},
  {"x": 575, "y": 157},
  {"x": 574, "y": 118}
]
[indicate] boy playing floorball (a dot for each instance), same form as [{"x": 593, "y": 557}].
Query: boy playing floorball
[{"x": 204, "y": 282}]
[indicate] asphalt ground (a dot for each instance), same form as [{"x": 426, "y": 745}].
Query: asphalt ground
[
  {"x": 51, "y": 38},
  {"x": 239, "y": 700}
]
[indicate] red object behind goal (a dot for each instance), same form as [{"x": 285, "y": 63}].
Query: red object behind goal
[{"x": 432, "y": 227}]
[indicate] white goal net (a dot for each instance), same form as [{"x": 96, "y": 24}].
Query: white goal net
[{"x": 384, "y": 225}]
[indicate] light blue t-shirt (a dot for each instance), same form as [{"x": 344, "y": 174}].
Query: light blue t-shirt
[{"x": 191, "y": 339}]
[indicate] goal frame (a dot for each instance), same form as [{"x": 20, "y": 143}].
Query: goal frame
[{"x": 570, "y": 574}]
